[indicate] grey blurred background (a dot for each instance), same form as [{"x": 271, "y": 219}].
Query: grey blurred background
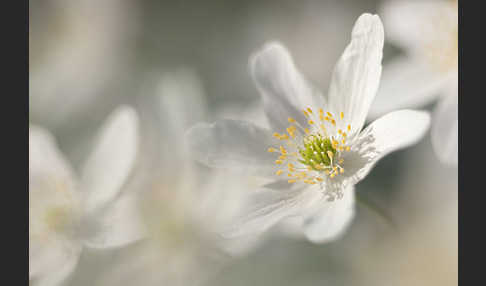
[{"x": 87, "y": 57}]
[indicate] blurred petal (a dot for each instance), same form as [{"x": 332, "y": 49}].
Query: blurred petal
[
  {"x": 46, "y": 160},
  {"x": 268, "y": 206},
  {"x": 284, "y": 91},
  {"x": 329, "y": 219},
  {"x": 406, "y": 83},
  {"x": 53, "y": 263},
  {"x": 357, "y": 73},
  {"x": 445, "y": 129},
  {"x": 110, "y": 163},
  {"x": 118, "y": 225},
  {"x": 232, "y": 144}
]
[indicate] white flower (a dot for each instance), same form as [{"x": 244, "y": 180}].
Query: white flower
[
  {"x": 427, "y": 31},
  {"x": 65, "y": 213},
  {"x": 318, "y": 150},
  {"x": 183, "y": 211}
]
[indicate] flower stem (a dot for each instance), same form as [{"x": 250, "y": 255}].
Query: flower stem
[{"x": 377, "y": 211}]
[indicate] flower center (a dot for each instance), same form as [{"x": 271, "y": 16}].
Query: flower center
[{"x": 312, "y": 156}]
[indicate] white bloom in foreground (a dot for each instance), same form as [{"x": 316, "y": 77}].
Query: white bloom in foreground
[
  {"x": 66, "y": 214},
  {"x": 318, "y": 150},
  {"x": 428, "y": 33}
]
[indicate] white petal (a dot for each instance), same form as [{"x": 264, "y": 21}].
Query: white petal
[
  {"x": 445, "y": 129},
  {"x": 45, "y": 159},
  {"x": 329, "y": 219},
  {"x": 233, "y": 144},
  {"x": 406, "y": 83},
  {"x": 357, "y": 73},
  {"x": 414, "y": 24},
  {"x": 110, "y": 163},
  {"x": 268, "y": 206},
  {"x": 119, "y": 224},
  {"x": 54, "y": 263},
  {"x": 394, "y": 131},
  {"x": 284, "y": 90}
]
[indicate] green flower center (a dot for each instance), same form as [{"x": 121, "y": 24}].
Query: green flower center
[{"x": 316, "y": 151}]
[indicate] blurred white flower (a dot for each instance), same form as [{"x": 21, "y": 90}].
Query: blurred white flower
[
  {"x": 324, "y": 154},
  {"x": 427, "y": 31},
  {"x": 66, "y": 214},
  {"x": 183, "y": 210}
]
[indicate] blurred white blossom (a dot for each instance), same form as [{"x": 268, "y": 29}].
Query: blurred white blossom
[
  {"x": 67, "y": 212},
  {"x": 184, "y": 208},
  {"x": 428, "y": 32},
  {"x": 324, "y": 154}
]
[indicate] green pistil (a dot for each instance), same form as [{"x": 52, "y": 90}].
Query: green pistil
[{"x": 315, "y": 151}]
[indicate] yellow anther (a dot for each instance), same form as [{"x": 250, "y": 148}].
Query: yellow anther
[
  {"x": 327, "y": 172},
  {"x": 309, "y": 110},
  {"x": 327, "y": 118},
  {"x": 305, "y": 113},
  {"x": 329, "y": 114},
  {"x": 290, "y": 165},
  {"x": 332, "y": 175},
  {"x": 341, "y": 161},
  {"x": 283, "y": 157},
  {"x": 330, "y": 154},
  {"x": 311, "y": 122},
  {"x": 344, "y": 134},
  {"x": 349, "y": 127},
  {"x": 306, "y": 130},
  {"x": 291, "y": 181},
  {"x": 321, "y": 111},
  {"x": 271, "y": 149},
  {"x": 341, "y": 171},
  {"x": 278, "y": 162},
  {"x": 276, "y": 135},
  {"x": 343, "y": 141},
  {"x": 348, "y": 148},
  {"x": 284, "y": 137},
  {"x": 303, "y": 174},
  {"x": 319, "y": 179},
  {"x": 342, "y": 115},
  {"x": 291, "y": 120},
  {"x": 333, "y": 122},
  {"x": 321, "y": 117},
  {"x": 279, "y": 172},
  {"x": 310, "y": 182},
  {"x": 282, "y": 150},
  {"x": 341, "y": 148},
  {"x": 289, "y": 174},
  {"x": 340, "y": 131},
  {"x": 334, "y": 168},
  {"x": 335, "y": 142}
]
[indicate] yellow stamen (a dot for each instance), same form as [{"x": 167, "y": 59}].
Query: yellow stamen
[
  {"x": 279, "y": 172},
  {"x": 291, "y": 120},
  {"x": 278, "y": 162},
  {"x": 282, "y": 150},
  {"x": 349, "y": 127},
  {"x": 271, "y": 150},
  {"x": 309, "y": 110},
  {"x": 311, "y": 122},
  {"x": 329, "y": 114},
  {"x": 291, "y": 181},
  {"x": 342, "y": 115}
]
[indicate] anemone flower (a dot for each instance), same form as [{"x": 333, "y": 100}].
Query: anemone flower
[
  {"x": 67, "y": 214},
  {"x": 318, "y": 149}
]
